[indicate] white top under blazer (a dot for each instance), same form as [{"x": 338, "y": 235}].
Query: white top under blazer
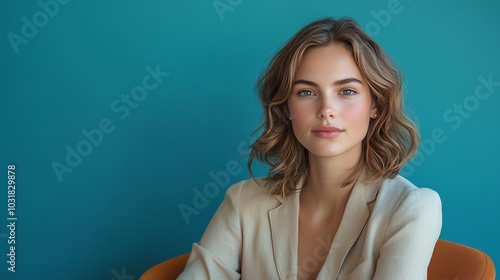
[{"x": 388, "y": 231}]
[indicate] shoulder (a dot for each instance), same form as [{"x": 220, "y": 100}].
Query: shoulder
[
  {"x": 253, "y": 192},
  {"x": 398, "y": 198},
  {"x": 397, "y": 190}
]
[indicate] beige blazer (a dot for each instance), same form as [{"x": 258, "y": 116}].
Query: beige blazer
[{"x": 388, "y": 231}]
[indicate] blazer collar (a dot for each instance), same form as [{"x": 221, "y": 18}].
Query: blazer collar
[{"x": 284, "y": 221}]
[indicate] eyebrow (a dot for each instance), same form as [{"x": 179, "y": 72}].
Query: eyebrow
[{"x": 336, "y": 83}]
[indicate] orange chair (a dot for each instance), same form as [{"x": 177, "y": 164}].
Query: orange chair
[
  {"x": 450, "y": 261},
  {"x": 453, "y": 261},
  {"x": 167, "y": 270}
]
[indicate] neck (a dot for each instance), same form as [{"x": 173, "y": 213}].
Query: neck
[{"x": 325, "y": 177}]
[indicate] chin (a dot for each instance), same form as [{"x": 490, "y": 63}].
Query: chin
[{"x": 329, "y": 151}]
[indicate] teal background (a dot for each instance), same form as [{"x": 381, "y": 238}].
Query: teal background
[{"x": 116, "y": 214}]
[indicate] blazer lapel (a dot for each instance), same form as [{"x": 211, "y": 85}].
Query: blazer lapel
[
  {"x": 355, "y": 217},
  {"x": 284, "y": 234}
]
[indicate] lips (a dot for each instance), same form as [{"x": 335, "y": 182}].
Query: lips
[
  {"x": 328, "y": 129},
  {"x": 327, "y": 132}
]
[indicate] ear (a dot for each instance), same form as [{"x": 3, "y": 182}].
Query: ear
[
  {"x": 287, "y": 112},
  {"x": 374, "y": 112}
]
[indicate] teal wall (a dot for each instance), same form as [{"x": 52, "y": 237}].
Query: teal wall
[{"x": 117, "y": 113}]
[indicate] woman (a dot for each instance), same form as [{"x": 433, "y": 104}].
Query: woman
[{"x": 332, "y": 206}]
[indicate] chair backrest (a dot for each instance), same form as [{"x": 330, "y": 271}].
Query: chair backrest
[
  {"x": 167, "y": 270},
  {"x": 453, "y": 261},
  {"x": 449, "y": 261}
]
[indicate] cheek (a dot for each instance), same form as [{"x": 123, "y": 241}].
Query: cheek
[
  {"x": 358, "y": 113},
  {"x": 299, "y": 111}
]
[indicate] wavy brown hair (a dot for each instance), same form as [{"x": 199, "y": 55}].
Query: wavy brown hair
[{"x": 392, "y": 138}]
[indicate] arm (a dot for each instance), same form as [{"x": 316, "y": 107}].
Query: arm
[
  {"x": 411, "y": 236},
  {"x": 218, "y": 254}
]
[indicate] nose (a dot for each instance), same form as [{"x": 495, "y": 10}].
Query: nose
[{"x": 326, "y": 109}]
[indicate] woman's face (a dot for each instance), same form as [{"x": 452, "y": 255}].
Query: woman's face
[{"x": 330, "y": 105}]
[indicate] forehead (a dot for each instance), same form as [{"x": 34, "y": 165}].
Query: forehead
[{"x": 331, "y": 62}]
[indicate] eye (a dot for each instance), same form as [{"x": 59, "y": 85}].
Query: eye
[
  {"x": 305, "y": 93},
  {"x": 347, "y": 92}
]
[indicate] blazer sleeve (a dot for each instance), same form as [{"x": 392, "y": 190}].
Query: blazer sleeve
[
  {"x": 411, "y": 235},
  {"x": 218, "y": 254}
]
